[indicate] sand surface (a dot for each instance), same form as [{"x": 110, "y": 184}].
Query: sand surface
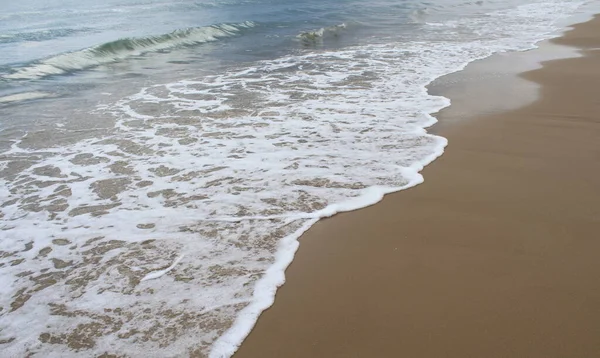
[{"x": 497, "y": 254}]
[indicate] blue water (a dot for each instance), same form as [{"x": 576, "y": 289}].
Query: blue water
[
  {"x": 160, "y": 159},
  {"x": 33, "y": 30}
]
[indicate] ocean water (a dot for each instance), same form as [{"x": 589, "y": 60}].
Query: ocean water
[{"x": 160, "y": 159}]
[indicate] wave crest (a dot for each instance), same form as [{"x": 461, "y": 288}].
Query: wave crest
[
  {"x": 122, "y": 49},
  {"x": 316, "y": 37}
]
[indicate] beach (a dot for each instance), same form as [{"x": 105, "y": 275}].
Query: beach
[
  {"x": 162, "y": 162},
  {"x": 494, "y": 255}
]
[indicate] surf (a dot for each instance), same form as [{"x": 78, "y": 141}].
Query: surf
[
  {"x": 123, "y": 49},
  {"x": 316, "y": 37}
]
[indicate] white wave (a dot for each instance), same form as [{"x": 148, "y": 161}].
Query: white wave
[
  {"x": 125, "y": 48},
  {"x": 19, "y": 97},
  {"x": 312, "y": 38}
]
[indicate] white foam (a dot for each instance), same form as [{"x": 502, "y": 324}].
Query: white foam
[
  {"x": 241, "y": 164},
  {"x": 159, "y": 273}
]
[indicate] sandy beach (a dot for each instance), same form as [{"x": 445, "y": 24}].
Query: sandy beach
[{"x": 495, "y": 255}]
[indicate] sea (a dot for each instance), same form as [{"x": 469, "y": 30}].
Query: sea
[{"x": 159, "y": 160}]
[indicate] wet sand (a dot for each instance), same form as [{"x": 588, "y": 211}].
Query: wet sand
[{"x": 497, "y": 254}]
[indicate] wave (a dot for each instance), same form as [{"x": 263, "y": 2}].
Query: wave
[
  {"x": 316, "y": 37},
  {"x": 25, "y": 96},
  {"x": 122, "y": 49},
  {"x": 42, "y": 35},
  {"x": 418, "y": 16}
]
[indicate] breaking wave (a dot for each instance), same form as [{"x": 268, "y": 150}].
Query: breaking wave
[
  {"x": 418, "y": 16},
  {"x": 122, "y": 49},
  {"x": 316, "y": 37}
]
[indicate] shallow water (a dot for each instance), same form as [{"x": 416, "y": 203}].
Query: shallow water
[{"x": 159, "y": 160}]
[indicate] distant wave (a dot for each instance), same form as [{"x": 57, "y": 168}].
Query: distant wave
[
  {"x": 122, "y": 49},
  {"x": 42, "y": 35},
  {"x": 25, "y": 96},
  {"x": 418, "y": 16},
  {"x": 316, "y": 37}
]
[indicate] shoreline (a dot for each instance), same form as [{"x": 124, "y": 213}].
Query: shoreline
[{"x": 319, "y": 280}]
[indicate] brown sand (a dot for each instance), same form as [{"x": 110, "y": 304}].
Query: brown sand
[{"x": 497, "y": 254}]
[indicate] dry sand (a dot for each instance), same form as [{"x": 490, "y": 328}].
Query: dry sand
[{"x": 497, "y": 254}]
